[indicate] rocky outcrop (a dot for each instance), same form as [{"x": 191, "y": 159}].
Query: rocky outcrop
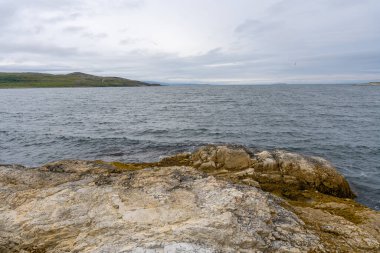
[
  {"x": 274, "y": 171},
  {"x": 181, "y": 205},
  {"x": 82, "y": 207}
]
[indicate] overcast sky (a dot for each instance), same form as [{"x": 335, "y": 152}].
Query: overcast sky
[{"x": 195, "y": 41}]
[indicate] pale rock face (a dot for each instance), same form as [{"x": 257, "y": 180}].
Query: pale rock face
[{"x": 84, "y": 208}]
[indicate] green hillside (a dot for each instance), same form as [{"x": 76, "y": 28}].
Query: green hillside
[{"x": 76, "y": 79}]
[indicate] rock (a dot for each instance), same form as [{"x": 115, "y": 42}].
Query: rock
[
  {"x": 170, "y": 209},
  {"x": 303, "y": 173},
  {"x": 275, "y": 171},
  {"x": 341, "y": 235},
  {"x": 220, "y": 157},
  {"x": 208, "y": 201}
]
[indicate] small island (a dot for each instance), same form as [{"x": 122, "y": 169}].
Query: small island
[{"x": 76, "y": 79}]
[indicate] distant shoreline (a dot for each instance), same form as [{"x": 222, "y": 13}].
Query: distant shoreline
[
  {"x": 368, "y": 84},
  {"x": 72, "y": 80}
]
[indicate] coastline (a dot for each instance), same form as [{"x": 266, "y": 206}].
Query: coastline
[
  {"x": 298, "y": 203},
  {"x": 71, "y": 80},
  {"x": 369, "y": 84},
  {"x": 76, "y": 87}
]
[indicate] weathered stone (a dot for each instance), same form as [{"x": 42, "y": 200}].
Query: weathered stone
[
  {"x": 221, "y": 157},
  {"x": 275, "y": 171},
  {"x": 172, "y": 209},
  {"x": 339, "y": 234},
  {"x": 313, "y": 173},
  {"x": 84, "y": 206}
]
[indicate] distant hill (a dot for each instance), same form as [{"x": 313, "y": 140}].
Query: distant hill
[{"x": 76, "y": 79}]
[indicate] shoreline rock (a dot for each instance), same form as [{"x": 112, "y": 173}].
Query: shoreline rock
[
  {"x": 217, "y": 199},
  {"x": 278, "y": 170}
]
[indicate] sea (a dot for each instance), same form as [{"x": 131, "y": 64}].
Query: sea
[{"x": 338, "y": 122}]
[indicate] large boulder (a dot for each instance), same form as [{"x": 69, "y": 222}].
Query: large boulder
[
  {"x": 74, "y": 207},
  {"x": 286, "y": 170},
  {"x": 211, "y": 157},
  {"x": 274, "y": 171}
]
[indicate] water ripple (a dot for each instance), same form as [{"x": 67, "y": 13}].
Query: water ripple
[{"x": 339, "y": 122}]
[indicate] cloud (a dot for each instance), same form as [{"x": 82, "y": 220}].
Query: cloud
[
  {"x": 39, "y": 49},
  {"x": 74, "y": 29},
  {"x": 94, "y": 35},
  {"x": 225, "y": 64},
  {"x": 242, "y": 41}
]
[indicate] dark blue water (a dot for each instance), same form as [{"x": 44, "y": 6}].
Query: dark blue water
[{"x": 338, "y": 122}]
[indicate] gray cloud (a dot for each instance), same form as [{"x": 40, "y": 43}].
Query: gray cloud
[
  {"x": 239, "y": 42},
  {"x": 74, "y": 29},
  {"x": 94, "y": 35},
  {"x": 37, "y": 49}
]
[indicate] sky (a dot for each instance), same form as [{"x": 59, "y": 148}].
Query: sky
[{"x": 195, "y": 41}]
